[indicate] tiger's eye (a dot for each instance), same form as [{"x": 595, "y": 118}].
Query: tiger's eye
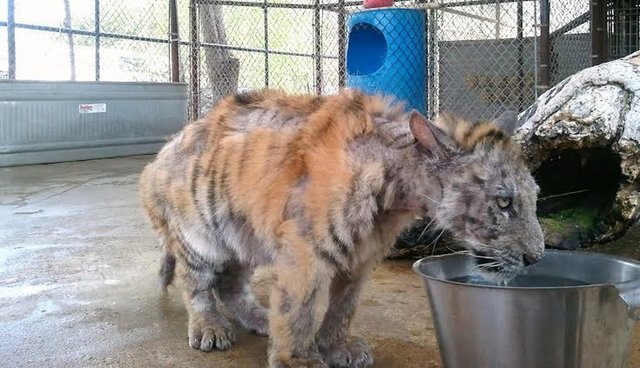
[{"x": 504, "y": 202}]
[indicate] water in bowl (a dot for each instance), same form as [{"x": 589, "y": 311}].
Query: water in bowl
[{"x": 530, "y": 280}]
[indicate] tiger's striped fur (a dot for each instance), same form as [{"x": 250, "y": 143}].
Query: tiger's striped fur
[{"x": 318, "y": 186}]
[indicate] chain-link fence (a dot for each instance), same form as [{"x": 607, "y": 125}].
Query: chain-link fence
[
  {"x": 84, "y": 40},
  {"x": 570, "y": 39},
  {"x": 471, "y": 57},
  {"x": 486, "y": 57}
]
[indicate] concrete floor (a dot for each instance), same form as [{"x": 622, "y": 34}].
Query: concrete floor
[{"x": 78, "y": 282}]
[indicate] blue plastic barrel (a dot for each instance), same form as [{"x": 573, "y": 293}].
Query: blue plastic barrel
[{"x": 386, "y": 54}]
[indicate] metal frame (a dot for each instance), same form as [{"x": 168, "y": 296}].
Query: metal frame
[
  {"x": 194, "y": 59},
  {"x": 544, "y": 52},
  {"x": 11, "y": 38},
  {"x": 520, "y": 53},
  {"x": 622, "y": 30},
  {"x": 599, "y": 50},
  {"x": 265, "y": 8},
  {"x": 341, "y": 7},
  {"x": 174, "y": 39},
  {"x": 97, "y": 37},
  {"x": 317, "y": 47},
  {"x": 433, "y": 81}
]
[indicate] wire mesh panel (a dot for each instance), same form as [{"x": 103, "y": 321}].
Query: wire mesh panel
[
  {"x": 254, "y": 44},
  {"x": 570, "y": 38},
  {"x": 133, "y": 44},
  {"x": 623, "y": 23},
  {"x": 486, "y": 57},
  {"x": 471, "y": 57},
  {"x": 110, "y": 40}
]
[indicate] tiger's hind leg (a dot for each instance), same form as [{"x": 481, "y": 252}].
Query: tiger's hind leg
[
  {"x": 235, "y": 292},
  {"x": 208, "y": 328}
]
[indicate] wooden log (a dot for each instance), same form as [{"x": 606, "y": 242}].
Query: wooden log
[{"x": 582, "y": 140}]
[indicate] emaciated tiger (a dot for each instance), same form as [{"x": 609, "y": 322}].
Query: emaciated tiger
[{"x": 320, "y": 187}]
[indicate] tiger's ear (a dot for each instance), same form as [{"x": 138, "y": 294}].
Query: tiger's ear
[
  {"x": 430, "y": 137},
  {"x": 507, "y": 121}
]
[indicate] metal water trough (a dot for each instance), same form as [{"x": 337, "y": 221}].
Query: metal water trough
[{"x": 45, "y": 122}]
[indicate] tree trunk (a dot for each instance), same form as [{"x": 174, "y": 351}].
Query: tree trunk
[
  {"x": 221, "y": 67},
  {"x": 72, "y": 52},
  {"x": 581, "y": 139}
]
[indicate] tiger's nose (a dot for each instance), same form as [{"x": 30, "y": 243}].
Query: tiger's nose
[{"x": 528, "y": 259}]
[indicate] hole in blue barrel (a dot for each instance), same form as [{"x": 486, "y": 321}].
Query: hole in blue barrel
[{"x": 367, "y": 49}]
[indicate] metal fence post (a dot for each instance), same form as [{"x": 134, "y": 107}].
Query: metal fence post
[
  {"x": 266, "y": 43},
  {"x": 342, "y": 44},
  {"x": 174, "y": 38},
  {"x": 433, "y": 96},
  {"x": 194, "y": 61},
  {"x": 11, "y": 38},
  {"x": 544, "y": 48},
  {"x": 97, "y": 38},
  {"x": 520, "y": 53},
  {"x": 317, "y": 29},
  {"x": 598, "y": 32}
]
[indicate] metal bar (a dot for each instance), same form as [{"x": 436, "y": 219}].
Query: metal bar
[
  {"x": 259, "y": 4},
  {"x": 432, "y": 4},
  {"x": 97, "y": 38},
  {"x": 318, "y": 47},
  {"x": 252, "y": 49},
  {"x": 195, "y": 90},
  {"x": 342, "y": 44},
  {"x": 573, "y": 24},
  {"x": 599, "y": 52},
  {"x": 115, "y": 35},
  {"x": 544, "y": 48},
  {"x": 520, "y": 54},
  {"x": 469, "y": 15},
  {"x": 35, "y": 27},
  {"x": 432, "y": 63},
  {"x": 265, "y": 6},
  {"x": 497, "y": 15},
  {"x": 159, "y": 40},
  {"x": 616, "y": 28},
  {"x": 342, "y": 4},
  {"x": 473, "y": 2},
  {"x": 632, "y": 29},
  {"x": 426, "y": 79},
  {"x": 336, "y": 6},
  {"x": 536, "y": 50},
  {"x": 11, "y": 38},
  {"x": 174, "y": 38}
]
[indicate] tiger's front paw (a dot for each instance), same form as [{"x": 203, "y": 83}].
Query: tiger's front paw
[
  {"x": 353, "y": 353},
  {"x": 207, "y": 333}
]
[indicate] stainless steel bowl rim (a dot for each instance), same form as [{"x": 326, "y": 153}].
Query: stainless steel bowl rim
[{"x": 416, "y": 269}]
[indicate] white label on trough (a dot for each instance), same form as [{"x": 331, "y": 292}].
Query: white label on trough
[{"x": 92, "y": 108}]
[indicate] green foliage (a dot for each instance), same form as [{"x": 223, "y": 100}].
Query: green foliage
[{"x": 583, "y": 218}]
